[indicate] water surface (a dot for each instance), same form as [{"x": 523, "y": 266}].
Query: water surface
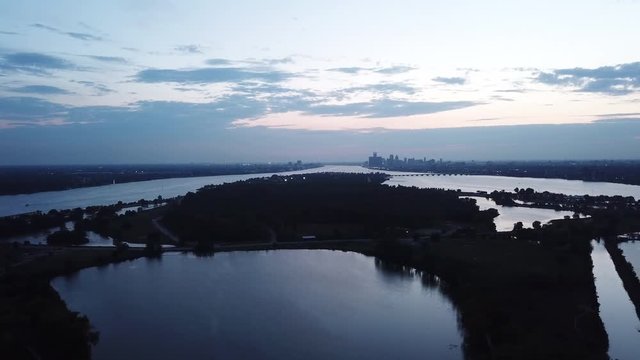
[
  {"x": 616, "y": 309},
  {"x": 631, "y": 251},
  {"x": 286, "y": 304},
  {"x": 167, "y": 188},
  {"x": 509, "y": 215},
  {"x": 474, "y": 183}
]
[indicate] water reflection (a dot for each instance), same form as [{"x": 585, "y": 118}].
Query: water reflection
[
  {"x": 510, "y": 215},
  {"x": 616, "y": 310},
  {"x": 270, "y": 305},
  {"x": 391, "y": 271},
  {"x": 168, "y": 188},
  {"x": 631, "y": 251}
]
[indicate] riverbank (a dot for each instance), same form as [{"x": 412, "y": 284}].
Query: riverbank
[
  {"x": 515, "y": 299},
  {"x": 625, "y": 271},
  {"x": 35, "y": 322},
  {"x": 16, "y": 180}
]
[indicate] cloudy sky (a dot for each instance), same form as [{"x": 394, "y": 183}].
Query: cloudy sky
[{"x": 220, "y": 81}]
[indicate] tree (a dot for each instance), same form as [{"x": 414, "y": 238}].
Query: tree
[
  {"x": 518, "y": 226},
  {"x": 536, "y": 225}
]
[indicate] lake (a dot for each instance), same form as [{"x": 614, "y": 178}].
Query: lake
[
  {"x": 285, "y": 304},
  {"x": 510, "y": 215},
  {"x": 149, "y": 190}
]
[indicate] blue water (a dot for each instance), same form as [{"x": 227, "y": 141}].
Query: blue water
[
  {"x": 286, "y": 304},
  {"x": 616, "y": 309},
  {"x": 149, "y": 190}
]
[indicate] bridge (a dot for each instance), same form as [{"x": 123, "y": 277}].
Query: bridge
[{"x": 430, "y": 174}]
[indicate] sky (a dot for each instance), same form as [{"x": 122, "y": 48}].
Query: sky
[{"x": 258, "y": 81}]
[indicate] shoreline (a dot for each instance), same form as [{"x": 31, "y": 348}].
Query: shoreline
[
  {"x": 500, "y": 286},
  {"x": 535, "y": 299}
]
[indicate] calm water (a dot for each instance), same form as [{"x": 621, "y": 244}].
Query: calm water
[
  {"x": 40, "y": 238},
  {"x": 510, "y": 215},
  {"x": 110, "y": 194},
  {"x": 286, "y": 304},
  {"x": 631, "y": 251},
  {"x": 616, "y": 310},
  {"x": 490, "y": 183}
]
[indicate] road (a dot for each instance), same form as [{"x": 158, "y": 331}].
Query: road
[{"x": 165, "y": 231}]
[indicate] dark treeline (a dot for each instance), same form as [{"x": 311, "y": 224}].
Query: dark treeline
[
  {"x": 519, "y": 297},
  {"x": 37, "y": 221},
  {"x": 610, "y": 214},
  {"x": 327, "y": 206},
  {"x": 30, "y": 179},
  {"x": 625, "y": 270},
  {"x": 619, "y": 171},
  {"x": 36, "y": 324},
  {"x": 69, "y": 227}
]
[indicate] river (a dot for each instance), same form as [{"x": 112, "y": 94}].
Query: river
[
  {"x": 167, "y": 188},
  {"x": 285, "y": 304},
  {"x": 631, "y": 251},
  {"x": 616, "y": 309}
]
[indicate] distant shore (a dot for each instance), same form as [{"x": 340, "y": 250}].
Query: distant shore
[{"x": 15, "y": 180}]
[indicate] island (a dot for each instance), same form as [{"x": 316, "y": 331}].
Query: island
[{"x": 521, "y": 294}]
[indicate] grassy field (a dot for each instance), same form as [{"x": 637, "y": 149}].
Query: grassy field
[{"x": 135, "y": 228}]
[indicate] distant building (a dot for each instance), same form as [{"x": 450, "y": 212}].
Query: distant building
[{"x": 376, "y": 161}]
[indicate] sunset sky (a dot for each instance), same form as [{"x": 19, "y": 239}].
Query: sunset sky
[{"x": 243, "y": 81}]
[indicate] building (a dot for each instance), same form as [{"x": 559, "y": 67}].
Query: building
[{"x": 376, "y": 161}]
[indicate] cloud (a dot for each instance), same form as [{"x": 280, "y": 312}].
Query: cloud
[
  {"x": 8, "y": 33},
  {"x": 75, "y": 35},
  {"x": 108, "y": 59},
  {"x": 350, "y": 70},
  {"x": 215, "y": 62},
  {"x": 44, "y": 27},
  {"x": 392, "y": 70},
  {"x": 270, "y": 89},
  {"x": 450, "y": 80},
  {"x": 84, "y": 36},
  {"x": 34, "y": 63},
  {"x": 26, "y": 111},
  {"x": 99, "y": 89},
  {"x": 189, "y": 49},
  {"x": 29, "y": 109},
  {"x": 208, "y": 75},
  {"x": 613, "y": 80},
  {"x": 280, "y": 61},
  {"x": 620, "y": 114},
  {"x": 387, "y": 108},
  {"x": 384, "y": 88},
  {"x": 40, "y": 89},
  {"x": 251, "y": 62}
]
